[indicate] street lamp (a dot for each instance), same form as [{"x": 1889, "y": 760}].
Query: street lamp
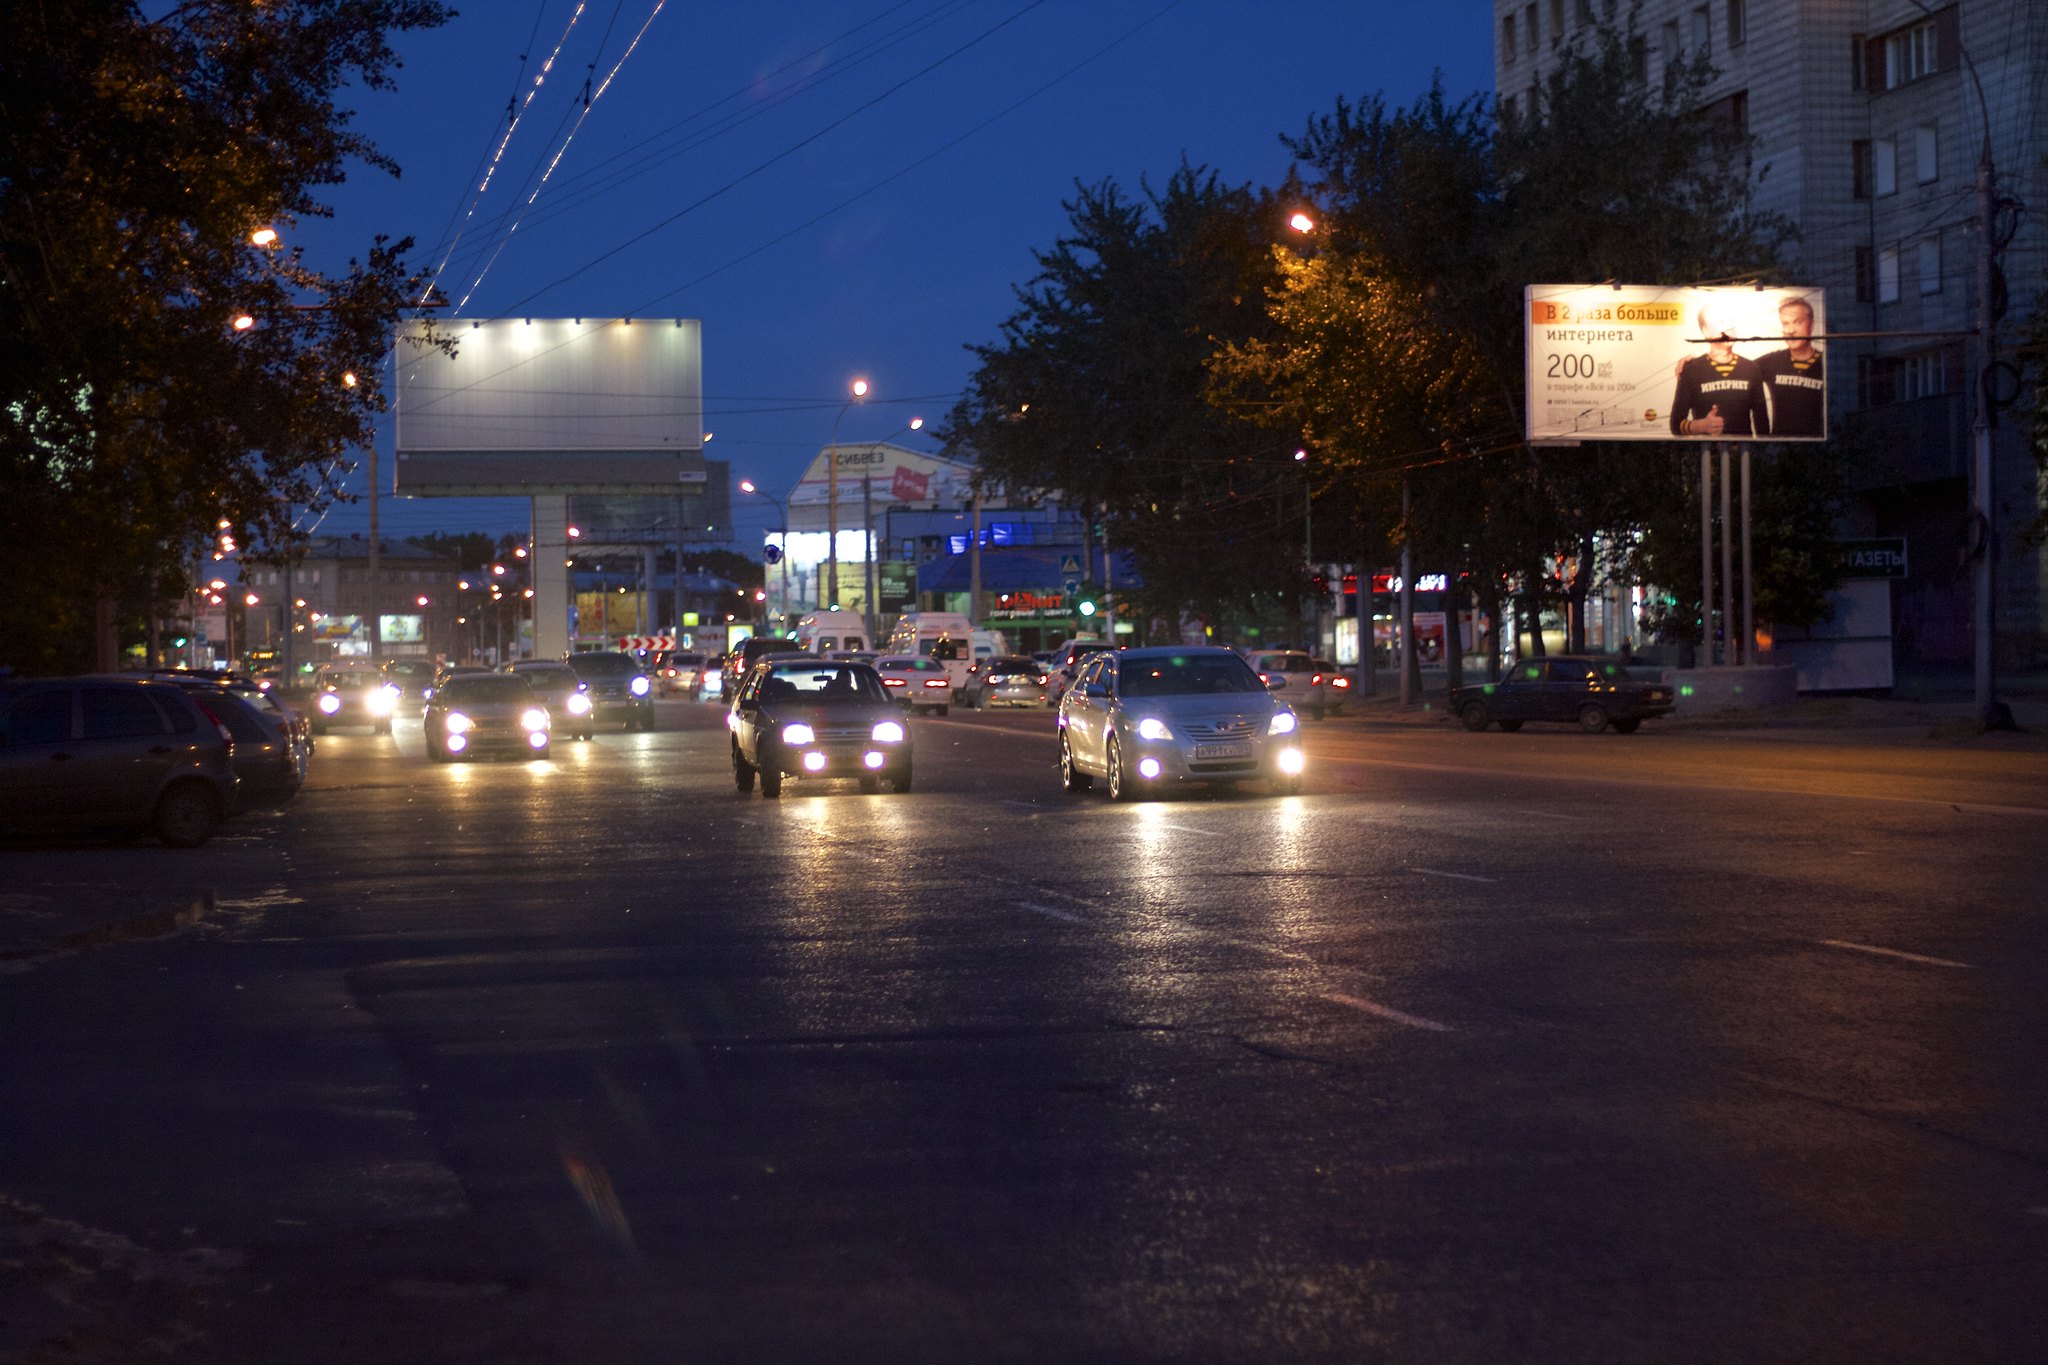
[
  {"x": 860, "y": 392},
  {"x": 782, "y": 554}
]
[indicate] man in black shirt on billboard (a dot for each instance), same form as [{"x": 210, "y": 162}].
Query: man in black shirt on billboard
[
  {"x": 1719, "y": 393},
  {"x": 1793, "y": 376}
]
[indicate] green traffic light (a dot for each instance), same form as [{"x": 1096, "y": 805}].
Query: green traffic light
[{"x": 1087, "y": 607}]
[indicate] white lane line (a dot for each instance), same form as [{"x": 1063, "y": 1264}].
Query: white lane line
[
  {"x": 1891, "y": 952},
  {"x": 1388, "y": 1012},
  {"x": 1049, "y": 911},
  {"x": 1167, "y": 824},
  {"x": 1553, "y": 815},
  {"x": 1459, "y": 876},
  {"x": 1027, "y": 805}
]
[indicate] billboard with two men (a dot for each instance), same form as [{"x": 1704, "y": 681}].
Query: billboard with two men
[{"x": 1644, "y": 363}]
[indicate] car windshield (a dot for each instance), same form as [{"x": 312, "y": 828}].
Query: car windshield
[
  {"x": 605, "y": 666},
  {"x": 477, "y": 689},
  {"x": 1187, "y": 675},
  {"x": 352, "y": 680},
  {"x": 410, "y": 670},
  {"x": 823, "y": 683},
  {"x": 549, "y": 675}
]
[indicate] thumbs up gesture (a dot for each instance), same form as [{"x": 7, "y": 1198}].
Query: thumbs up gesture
[{"x": 1710, "y": 425}]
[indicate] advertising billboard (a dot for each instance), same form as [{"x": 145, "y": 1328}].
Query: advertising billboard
[{"x": 1644, "y": 363}]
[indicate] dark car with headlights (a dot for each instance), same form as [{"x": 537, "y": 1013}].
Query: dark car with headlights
[
  {"x": 741, "y": 658},
  {"x": 1146, "y": 719},
  {"x": 802, "y": 716},
  {"x": 562, "y": 690},
  {"x": 1572, "y": 689},
  {"x": 618, "y": 686},
  {"x": 113, "y": 753},
  {"x": 410, "y": 678},
  {"x": 352, "y": 695},
  {"x": 484, "y": 713}
]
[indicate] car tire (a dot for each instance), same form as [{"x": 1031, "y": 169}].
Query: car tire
[
  {"x": 901, "y": 781},
  {"x": 742, "y": 772},
  {"x": 1592, "y": 719},
  {"x": 186, "y": 815},
  {"x": 942, "y": 709},
  {"x": 1317, "y": 712},
  {"x": 1475, "y": 717},
  {"x": 1629, "y": 726},
  {"x": 1510, "y": 726},
  {"x": 1071, "y": 778},
  {"x": 1120, "y": 788},
  {"x": 1286, "y": 786},
  {"x": 542, "y": 752},
  {"x": 382, "y": 727},
  {"x": 771, "y": 782},
  {"x": 869, "y": 785}
]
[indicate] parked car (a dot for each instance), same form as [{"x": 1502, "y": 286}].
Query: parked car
[
  {"x": 562, "y": 690},
  {"x": 116, "y": 753},
  {"x": 481, "y": 713},
  {"x": 1067, "y": 663},
  {"x": 618, "y": 686},
  {"x": 1573, "y": 689},
  {"x": 918, "y": 683},
  {"x": 1294, "y": 674},
  {"x": 1143, "y": 719},
  {"x": 352, "y": 694},
  {"x": 1334, "y": 684},
  {"x": 1010, "y": 680},
  {"x": 810, "y": 717},
  {"x": 270, "y": 757}
]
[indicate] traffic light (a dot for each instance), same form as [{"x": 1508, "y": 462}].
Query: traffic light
[{"x": 1086, "y": 606}]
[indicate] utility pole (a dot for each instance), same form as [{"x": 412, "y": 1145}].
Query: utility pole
[{"x": 1992, "y": 714}]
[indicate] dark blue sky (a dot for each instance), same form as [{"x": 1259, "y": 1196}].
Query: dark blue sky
[{"x": 832, "y": 188}]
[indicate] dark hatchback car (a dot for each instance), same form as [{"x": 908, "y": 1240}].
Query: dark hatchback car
[
  {"x": 562, "y": 691},
  {"x": 113, "y": 753},
  {"x": 411, "y": 678},
  {"x": 271, "y": 755},
  {"x": 352, "y": 695},
  {"x": 802, "y": 716},
  {"x": 1572, "y": 689},
  {"x": 480, "y": 713},
  {"x": 618, "y": 686}
]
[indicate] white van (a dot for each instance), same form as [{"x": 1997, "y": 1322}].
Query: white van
[
  {"x": 831, "y": 629},
  {"x": 949, "y": 638}
]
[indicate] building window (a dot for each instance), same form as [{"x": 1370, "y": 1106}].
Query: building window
[
  {"x": 1585, "y": 11},
  {"x": 1507, "y": 107},
  {"x": 1888, "y": 275},
  {"x": 1738, "y": 22},
  {"x": 1925, "y": 146},
  {"x": 1531, "y": 39},
  {"x": 1884, "y": 167},
  {"x": 1733, "y": 109},
  {"x": 1866, "y": 275},
  {"x": 1909, "y": 54},
  {"x": 1507, "y": 39},
  {"x": 1670, "y": 42},
  {"x": 1927, "y": 261},
  {"x": 1859, "y": 60},
  {"x": 1859, "y": 168},
  {"x": 1556, "y": 18},
  {"x": 1702, "y": 31}
]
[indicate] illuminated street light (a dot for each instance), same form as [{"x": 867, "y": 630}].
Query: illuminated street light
[
  {"x": 1301, "y": 222},
  {"x": 860, "y": 392},
  {"x": 263, "y": 236}
]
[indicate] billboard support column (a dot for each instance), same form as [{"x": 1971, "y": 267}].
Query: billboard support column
[
  {"x": 1706, "y": 557},
  {"x": 1407, "y": 661},
  {"x": 1731, "y": 652},
  {"x": 550, "y": 559},
  {"x": 1748, "y": 573}
]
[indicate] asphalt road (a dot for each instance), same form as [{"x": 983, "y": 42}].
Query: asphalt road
[{"x": 1544, "y": 1047}]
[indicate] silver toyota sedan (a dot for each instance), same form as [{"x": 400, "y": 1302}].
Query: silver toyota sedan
[{"x": 1141, "y": 719}]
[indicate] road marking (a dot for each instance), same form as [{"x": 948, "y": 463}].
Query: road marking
[
  {"x": 1048, "y": 910},
  {"x": 1552, "y": 815},
  {"x": 1891, "y": 952},
  {"x": 1460, "y": 876},
  {"x": 1027, "y": 805},
  {"x": 1388, "y": 1012}
]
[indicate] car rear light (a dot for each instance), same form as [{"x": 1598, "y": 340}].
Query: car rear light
[
  {"x": 892, "y": 682},
  {"x": 1262, "y": 678},
  {"x": 938, "y": 682},
  {"x": 1339, "y": 680},
  {"x": 227, "y": 736}
]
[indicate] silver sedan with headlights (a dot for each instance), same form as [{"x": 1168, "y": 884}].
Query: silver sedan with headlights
[
  {"x": 1143, "y": 719},
  {"x": 802, "y": 716},
  {"x": 481, "y": 713}
]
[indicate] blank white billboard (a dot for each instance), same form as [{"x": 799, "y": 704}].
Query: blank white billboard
[
  {"x": 551, "y": 405},
  {"x": 1643, "y": 363}
]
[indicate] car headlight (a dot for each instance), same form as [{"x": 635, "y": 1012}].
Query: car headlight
[
  {"x": 639, "y": 687},
  {"x": 1153, "y": 728},
  {"x": 381, "y": 700},
  {"x": 1281, "y": 724},
  {"x": 534, "y": 719},
  {"x": 798, "y": 733},
  {"x": 888, "y": 732},
  {"x": 457, "y": 724},
  {"x": 578, "y": 704},
  {"x": 329, "y": 703}
]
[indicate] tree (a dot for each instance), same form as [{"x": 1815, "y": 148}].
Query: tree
[
  {"x": 137, "y": 156},
  {"x": 1095, "y": 392}
]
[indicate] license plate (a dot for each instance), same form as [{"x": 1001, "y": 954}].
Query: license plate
[{"x": 1233, "y": 749}]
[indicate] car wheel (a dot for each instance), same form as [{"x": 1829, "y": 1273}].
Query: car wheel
[
  {"x": 541, "y": 752},
  {"x": 1592, "y": 719},
  {"x": 1629, "y": 726},
  {"x": 870, "y": 785},
  {"x": 1071, "y": 777},
  {"x": 742, "y": 772},
  {"x": 1286, "y": 786},
  {"x": 1475, "y": 717},
  {"x": 1510, "y": 726},
  {"x": 901, "y": 781},
  {"x": 943, "y": 710},
  {"x": 186, "y": 815},
  {"x": 1316, "y": 712},
  {"x": 382, "y": 727},
  {"x": 1120, "y": 788},
  {"x": 771, "y": 782}
]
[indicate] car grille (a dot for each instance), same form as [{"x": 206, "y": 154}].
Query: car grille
[
  {"x": 1235, "y": 727},
  {"x": 842, "y": 734}
]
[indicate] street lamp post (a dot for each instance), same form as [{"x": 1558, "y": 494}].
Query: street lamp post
[
  {"x": 782, "y": 516},
  {"x": 860, "y": 392}
]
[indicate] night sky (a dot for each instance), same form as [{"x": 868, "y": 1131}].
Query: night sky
[{"x": 834, "y": 189}]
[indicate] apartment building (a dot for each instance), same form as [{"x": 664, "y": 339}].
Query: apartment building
[{"x": 1871, "y": 118}]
